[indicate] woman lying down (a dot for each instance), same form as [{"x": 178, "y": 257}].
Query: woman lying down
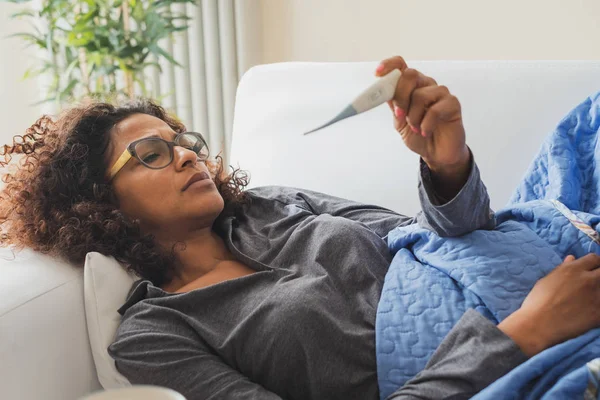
[{"x": 269, "y": 293}]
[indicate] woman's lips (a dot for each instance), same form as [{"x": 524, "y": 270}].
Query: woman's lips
[{"x": 199, "y": 177}]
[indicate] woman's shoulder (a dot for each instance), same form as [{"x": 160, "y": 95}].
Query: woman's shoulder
[
  {"x": 273, "y": 190},
  {"x": 286, "y": 194},
  {"x": 148, "y": 316},
  {"x": 146, "y": 326},
  {"x": 141, "y": 304}
]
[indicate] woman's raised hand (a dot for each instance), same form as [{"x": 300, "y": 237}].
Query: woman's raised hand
[{"x": 428, "y": 117}]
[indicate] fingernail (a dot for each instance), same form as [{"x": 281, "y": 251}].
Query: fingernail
[
  {"x": 379, "y": 69},
  {"x": 414, "y": 129},
  {"x": 399, "y": 112},
  {"x": 423, "y": 133}
]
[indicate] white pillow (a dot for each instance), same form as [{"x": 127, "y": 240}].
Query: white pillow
[{"x": 105, "y": 286}]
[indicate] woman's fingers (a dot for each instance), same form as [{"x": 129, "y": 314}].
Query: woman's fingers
[
  {"x": 400, "y": 124},
  {"x": 588, "y": 262},
  {"x": 410, "y": 99},
  {"x": 404, "y": 89},
  {"x": 424, "y": 107},
  {"x": 429, "y": 106},
  {"x": 447, "y": 109},
  {"x": 399, "y": 119},
  {"x": 390, "y": 64},
  {"x": 398, "y": 62},
  {"x": 562, "y": 305}
]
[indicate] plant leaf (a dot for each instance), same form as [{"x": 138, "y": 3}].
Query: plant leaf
[
  {"x": 29, "y": 37},
  {"x": 157, "y": 50},
  {"x": 23, "y": 13}
]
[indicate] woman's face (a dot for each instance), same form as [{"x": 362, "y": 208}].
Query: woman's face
[{"x": 158, "y": 197}]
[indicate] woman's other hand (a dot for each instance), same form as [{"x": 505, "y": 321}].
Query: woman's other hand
[
  {"x": 562, "y": 305},
  {"x": 429, "y": 119}
]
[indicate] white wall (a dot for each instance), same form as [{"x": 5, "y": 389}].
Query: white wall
[
  {"x": 16, "y": 95},
  {"x": 360, "y": 30},
  {"x": 367, "y": 30}
]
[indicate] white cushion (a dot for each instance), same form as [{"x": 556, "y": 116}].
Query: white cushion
[{"x": 106, "y": 284}]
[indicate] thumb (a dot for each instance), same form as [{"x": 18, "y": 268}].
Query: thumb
[{"x": 567, "y": 262}]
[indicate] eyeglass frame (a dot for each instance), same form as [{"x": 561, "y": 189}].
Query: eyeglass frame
[{"x": 130, "y": 152}]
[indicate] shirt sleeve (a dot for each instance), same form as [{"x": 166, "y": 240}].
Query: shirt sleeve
[
  {"x": 472, "y": 356},
  {"x": 467, "y": 211},
  {"x": 163, "y": 353}
]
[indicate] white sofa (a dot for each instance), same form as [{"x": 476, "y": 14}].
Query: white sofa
[{"x": 508, "y": 108}]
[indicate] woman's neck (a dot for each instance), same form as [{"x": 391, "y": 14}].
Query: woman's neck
[{"x": 203, "y": 251}]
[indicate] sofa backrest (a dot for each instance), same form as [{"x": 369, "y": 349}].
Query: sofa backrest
[
  {"x": 44, "y": 347},
  {"x": 508, "y": 108}
]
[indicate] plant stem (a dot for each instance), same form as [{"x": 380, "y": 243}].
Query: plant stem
[
  {"x": 83, "y": 65},
  {"x": 126, "y": 28}
]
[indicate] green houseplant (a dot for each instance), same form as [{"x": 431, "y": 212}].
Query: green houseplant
[{"x": 98, "y": 48}]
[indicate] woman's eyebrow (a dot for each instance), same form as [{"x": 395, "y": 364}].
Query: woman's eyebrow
[{"x": 155, "y": 134}]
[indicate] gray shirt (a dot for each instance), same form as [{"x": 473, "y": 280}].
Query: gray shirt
[{"x": 303, "y": 325}]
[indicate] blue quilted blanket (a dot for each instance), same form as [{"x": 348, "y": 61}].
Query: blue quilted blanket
[{"x": 432, "y": 281}]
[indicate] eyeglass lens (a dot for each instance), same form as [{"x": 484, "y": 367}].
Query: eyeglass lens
[{"x": 155, "y": 153}]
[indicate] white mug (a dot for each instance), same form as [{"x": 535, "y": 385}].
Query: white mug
[{"x": 136, "y": 392}]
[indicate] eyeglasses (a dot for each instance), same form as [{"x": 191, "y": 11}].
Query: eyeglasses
[{"x": 157, "y": 153}]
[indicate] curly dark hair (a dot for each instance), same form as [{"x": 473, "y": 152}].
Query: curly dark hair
[{"x": 56, "y": 199}]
